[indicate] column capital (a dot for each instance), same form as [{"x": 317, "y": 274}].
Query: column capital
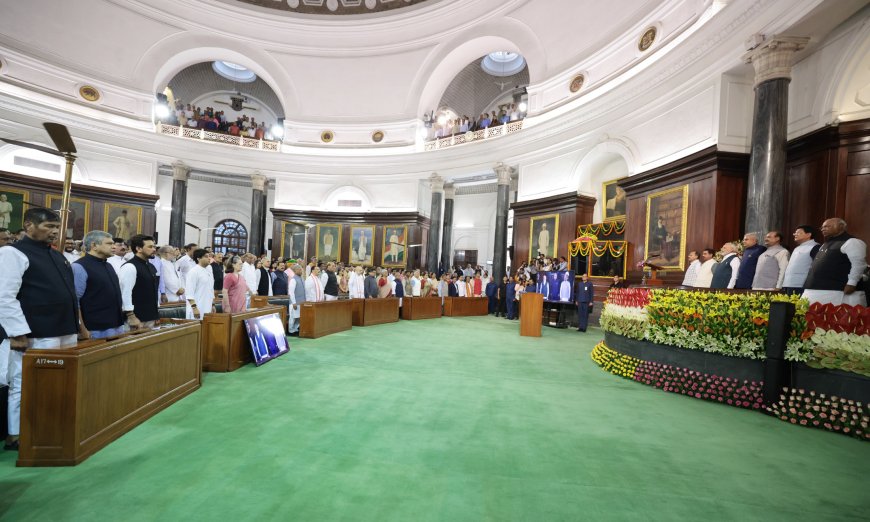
[
  {"x": 258, "y": 181},
  {"x": 449, "y": 191},
  {"x": 503, "y": 172},
  {"x": 180, "y": 171},
  {"x": 772, "y": 59},
  {"x": 436, "y": 182}
]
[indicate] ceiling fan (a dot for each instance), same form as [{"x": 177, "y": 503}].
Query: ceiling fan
[{"x": 66, "y": 149}]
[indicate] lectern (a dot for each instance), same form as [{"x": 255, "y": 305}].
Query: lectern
[{"x": 531, "y": 309}]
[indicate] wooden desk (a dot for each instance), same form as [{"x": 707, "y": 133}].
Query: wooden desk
[
  {"x": 77, "y": 400},
  {"x": 381, "y": 311},
  {"x": 465, "y": 306},
  {"x": 531, "y": 308},
  {"x": 259, "y": 301},
  {"x": 358, "y": 311},
  {"x": 414, "y": 308},
  {"x": 324, "y": 318},
  {"x": 225, "y": 345}
]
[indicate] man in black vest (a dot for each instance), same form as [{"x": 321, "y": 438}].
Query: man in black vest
[
  {"x": 370, "y": 285},
  {"x": 725, "y": 271},
  {"x": 265, "y": 285},
  {"x": 38, "y": 304},
  {"x": 138, "y": 280},
  {"x": 98, "y": 288},
  {"x": 835, "y": 275},
  {"x": 330, "y": 289}
]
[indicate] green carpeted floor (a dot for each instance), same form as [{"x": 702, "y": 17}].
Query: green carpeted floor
[{"x": 448, "y": 419}]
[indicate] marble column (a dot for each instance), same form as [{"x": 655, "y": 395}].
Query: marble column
[
  {"x": 436, "y": 183},
  {"x": 499, "y": 254},
  {"x": 256, "y": 234},
  {"x": 772, "y": 61},
  {"x": 178, "y": 215},
  {"x": 447, "y": 229}
]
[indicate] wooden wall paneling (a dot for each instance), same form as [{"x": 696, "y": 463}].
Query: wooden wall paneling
[
  {"x": 857, "y": 191},
  {"x": 571, "y": 209}
]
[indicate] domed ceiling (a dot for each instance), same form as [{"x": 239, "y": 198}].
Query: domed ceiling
[{"x": 336, "y": 7}]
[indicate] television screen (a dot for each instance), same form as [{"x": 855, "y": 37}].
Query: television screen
[
  {"x": 266, "y": 334},
  {"x": 557, "y": 287}
]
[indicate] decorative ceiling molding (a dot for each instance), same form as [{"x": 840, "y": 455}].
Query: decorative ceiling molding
[
  {"x": 336, "y": 7},
  {"x": 236, "y": 180}
]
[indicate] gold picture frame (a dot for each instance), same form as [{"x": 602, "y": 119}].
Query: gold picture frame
[
  {"x": 328, "y": 251},
  {"x": 80, "y": 214},
  {"x": 540, "y": 222},
  {"x": 666, "y": 211},
  {"x": 113, "y": 211},
  {"x": 18, "y": 200},
  {"x": 296, "y": 251},
  {"x": 399, "y": 254},
  {"x": 612, "y": 192},
  {"x": 358, "y": 232}
]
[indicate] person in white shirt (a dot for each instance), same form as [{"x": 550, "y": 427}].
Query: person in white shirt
[
  {"x": 199, "y": 285},
  {"x": 801, "y": 259},
  {"x": 185, "y": 262},
  {"x": 356, "y": 284},
  {"x": 249, "y": 273},
  {"x": 69, "y": 251},
  {"x": 460, "y": 287},
  {"x": 314, "y": 286},
  {"x": 119, "y": 254},
  {"x": 415, "y": 284},
  {"x": 705, "y": 271},
  {"x": 693, "y": 270},
  {"x": 173, "y": 286}
]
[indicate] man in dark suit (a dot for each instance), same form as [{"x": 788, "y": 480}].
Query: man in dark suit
[
  {"x": 370, "y": 285},
  {"x": 583, "y": 298}
]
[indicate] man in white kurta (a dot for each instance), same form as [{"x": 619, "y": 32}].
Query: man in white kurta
[
  {"x": 415, "y": 284},
  {"x": 295, "y": 308},
  {"x": 460, "y": 287},
  {"x": 173, "y": 287},
  {"x": 356, "y": 284},
  {"x": 249, "y": 273},
  {"x": 313, "y": 286},
  {"x": 199, "y": 286}
]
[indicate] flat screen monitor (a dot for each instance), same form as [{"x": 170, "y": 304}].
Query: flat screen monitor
[
  {"x": 557, "y": 287},
  {"x": 266, "y": 334}
]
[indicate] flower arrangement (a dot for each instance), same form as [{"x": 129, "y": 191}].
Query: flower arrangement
[
  {"x": 624, "y": 320},
  {"x": 633, "y": 297},
  {"x": 839, "y": 318},
  {"x": 833, "y": 413},
  {"x": 840, "y": 351},
  {"x": 673, "y": 379}
]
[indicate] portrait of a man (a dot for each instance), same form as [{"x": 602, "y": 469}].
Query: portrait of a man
[
  {"x": 12, "y": 203},
  {"x": 394, "y": 251},
  {"x": 613, "y": 198},
  {"x": 328, "y": 242},
  {"x": 362, "y": 244},
  {"x": 666, "y": 227},
  {"x": 543, "y": 238},
  {"x": 293, "y": 240},
  {"x": 79, "y": 215},
  {"x": 123, "y": 221}
]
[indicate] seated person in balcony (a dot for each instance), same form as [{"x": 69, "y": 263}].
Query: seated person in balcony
[
  {"x": 515, "y": 113},
  {"x": 261, "y": 132},
  {"x": 463, "y": 125},
  {"x": 234, "y": 129},
  {"x": 725, "y": 272},
  {"x": 503, "y": 116},
  {"x": 484, "y": 121},
  {"x": 188, "y": 112}
]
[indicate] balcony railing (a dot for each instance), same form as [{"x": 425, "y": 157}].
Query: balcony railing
[
  {"x": 218, "y": 137},
  {"x": 478, "y": 135}
]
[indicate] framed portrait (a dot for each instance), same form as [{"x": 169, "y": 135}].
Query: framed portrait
[
  {"x": 362, "y": 240},
  {"x": 79, "y": 222},
  {"x": 612, "y": 201},
  {"x": 603, "y": 264},
  {"x": 123, "y": 221},
  {"x": 543, "y": 236},
  {"x": 328, "y": 246},
  {"x": 13, "y": 203},
  {"x": 395, "y": 248},
  {"x": 266, "y": 335},
  {"x": 666, "y": 214},
  {"x": 293, "y": 240}
]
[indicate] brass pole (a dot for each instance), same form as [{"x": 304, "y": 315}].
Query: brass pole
[{"x": 64, "y": 204}]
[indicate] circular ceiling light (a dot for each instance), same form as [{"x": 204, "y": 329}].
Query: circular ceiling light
[
  {"x": 234, "y": 72},
  {"x": 503, "y": 63}
]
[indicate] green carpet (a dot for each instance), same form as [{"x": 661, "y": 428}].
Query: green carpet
[{"x": 448, "y": 419}]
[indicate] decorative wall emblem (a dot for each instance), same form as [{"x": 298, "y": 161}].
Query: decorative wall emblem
[
  {"x": 378, "y": 136},
  {"x": 577, "y": 83},
  {"x": 646, "y": 41},
  {"x": 89, "y": 93},
  {"x": 327, "y": 136}
]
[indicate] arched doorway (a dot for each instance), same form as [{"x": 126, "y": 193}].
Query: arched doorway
[{"x": 230, "y": 236}]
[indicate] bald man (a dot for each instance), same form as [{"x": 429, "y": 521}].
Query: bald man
[{"x": 835, "y": 275}]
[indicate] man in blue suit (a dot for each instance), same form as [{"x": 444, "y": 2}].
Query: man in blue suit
[
  {"x": 511, "y": 292},
  {"x": 583, "y": 298}
]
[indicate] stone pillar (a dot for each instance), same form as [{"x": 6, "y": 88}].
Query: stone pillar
[
  {"x": 772, "y": 61},
  {"x": 499, "y": 253},
  {"x": 178, "y": 215},
  {"x": 447, "y": 230},
  {"x": 258, "y": 212},
  {"x": 436, "y": 183}
]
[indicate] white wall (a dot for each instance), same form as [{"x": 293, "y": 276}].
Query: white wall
[{"x": 474, "y": 225}]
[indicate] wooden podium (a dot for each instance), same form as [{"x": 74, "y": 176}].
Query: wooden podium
[
  {"x": 531, "y": 309},
  {"x": 414, "y": 308},
  {"x": 465, "y": 306},
  {"x": 324, "y": 318},
  {"x": 77, "y": 400}
]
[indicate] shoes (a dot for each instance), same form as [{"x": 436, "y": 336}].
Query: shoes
[
  {"x": 294, "y": 334},
  {"x": 11, "y": 446}
]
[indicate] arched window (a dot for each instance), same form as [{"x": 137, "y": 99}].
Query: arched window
[{"x": 230, "y": 236}]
